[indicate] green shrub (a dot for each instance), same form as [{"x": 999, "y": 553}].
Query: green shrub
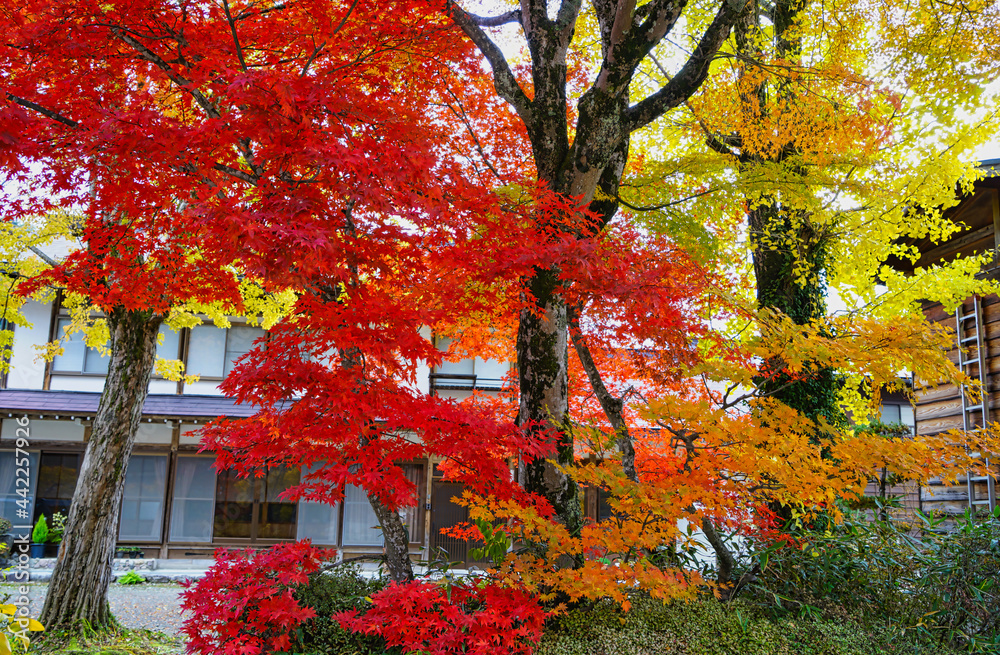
[
  {"x": 335, "y": 590},
  {"x": 40, "y": 534},
  {"x": 708, "y": 627},
  {"x": 935, "y": 588}
]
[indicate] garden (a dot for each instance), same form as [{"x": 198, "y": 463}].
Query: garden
[{"x": 642, "y": 208}]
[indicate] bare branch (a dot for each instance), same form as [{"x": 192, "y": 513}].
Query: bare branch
[
  {"x": 694, "y": 72},
  {"x": 513, "y": 16},
  {"x": 45, "y": 258},
  {"x": 237, "y": 173},
  {"x": 664, "y": 205},
  {"x": 503, "y": 78}
]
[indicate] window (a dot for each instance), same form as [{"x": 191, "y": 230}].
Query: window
[
  {"x": 276, "y": 516},
  {"x": 892, "y": 414},
  {"x": 212, "y": 350},
  {"x": 318, "y": 521},
  {"x": 57, "y": 473},
  {"x": 361, "y": 527},
  {"x": 17, "y": 498},
  {"x": 468, "y": 373},
  {"x": 194, "y": 500},
  {"x": 251, "y": 508},
  {"x": 142, "y": 503},
  {"x": 78, "y": 357}
]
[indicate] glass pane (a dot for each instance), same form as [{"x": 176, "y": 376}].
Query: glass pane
[
  {"x": 490, "y": 373},
  {"x": 57, "y": 473},
  {"x": 890, "y": 414},
  {"x": 95, "y": 362},
  {"x": 16, "y": 507},
  {"x": 233, "y": 505},
  {"x": 73, "y": 350},
  {"x": 142, "y": 506},
  {"x": 317, "y": 521},
  {"x": 463, "y": 367},
  {"x": 906, "y": 416},
  {"x": 194, "y": 500},
  {"x": 169, "y": 348},
  {"x": 207, "y": 351},
  {"x": 276, "y": 518},
  {"x": 240, "y": 342},
  {"x": 361, "y": 528},
  {"x": 413, "y": 516}
]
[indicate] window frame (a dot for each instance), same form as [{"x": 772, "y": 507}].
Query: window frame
[{"x": 225, "y": 348}]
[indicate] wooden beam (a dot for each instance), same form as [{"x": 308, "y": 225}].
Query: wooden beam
[{"x": 954, "y": 245}]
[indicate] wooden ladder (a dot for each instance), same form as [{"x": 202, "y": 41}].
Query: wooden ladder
[{"x": 975, "y": 366}]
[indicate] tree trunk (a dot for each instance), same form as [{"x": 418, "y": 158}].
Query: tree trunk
[
  {"x": 542, "y": 354},
  {"x": 397, "y": 542},
  {"x": 78, "y": 590}
]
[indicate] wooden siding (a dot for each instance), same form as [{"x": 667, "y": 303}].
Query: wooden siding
[{"x": 939, "y": 406}]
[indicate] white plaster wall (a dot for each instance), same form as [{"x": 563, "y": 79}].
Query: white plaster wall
[
  {"x": 154, "y": 433},
  {"x": 26, "y": 371},
  {"x": 202, "y": 388},
  {"x": 76, "y": 383},
  {"x": 188, "y": 435},
  {"x": 423, "y": 369},
  {"x": 44, "y": 430},
  {"x": 162, "y": 386}
]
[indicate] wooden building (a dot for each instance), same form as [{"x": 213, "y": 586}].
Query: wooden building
[{"x": 976, "y": 323}]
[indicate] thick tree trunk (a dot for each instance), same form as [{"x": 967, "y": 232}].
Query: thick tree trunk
[
  {"x": 78, "y": 590},
  {"x": 542, "y": 353}
]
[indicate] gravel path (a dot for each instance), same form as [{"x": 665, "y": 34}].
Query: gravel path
[{"x": 150, "y": 606}]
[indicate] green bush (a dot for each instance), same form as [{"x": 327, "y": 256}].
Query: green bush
[
  {"x": 708, "y": 627},
  {"x": 933, "y": 587},
  {"x": 335, "y": 590}
]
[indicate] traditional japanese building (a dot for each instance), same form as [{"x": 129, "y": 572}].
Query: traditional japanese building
[
  {"x": 175, "y": 503},
  {"x": 976, "y": 323}
]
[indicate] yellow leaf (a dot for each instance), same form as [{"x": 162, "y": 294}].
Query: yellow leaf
[
  {"x": 9, "y": 610},
  {"x": 5, "y": 645},
  {"x": 35, "y": 626}
]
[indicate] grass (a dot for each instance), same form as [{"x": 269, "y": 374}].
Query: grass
[{"x": 120, "y": 642}]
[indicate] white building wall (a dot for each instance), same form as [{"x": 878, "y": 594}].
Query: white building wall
[
  {"x": 44, "y": 430},
  {"x": 27, "y": 369}
]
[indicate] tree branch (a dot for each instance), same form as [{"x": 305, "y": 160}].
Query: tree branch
[
  {"x": 503, "y": 78},
  {"x": 513, "y": 16},
  {"x": 612, "y": 406},
  {"x": 45, "y": 258},
  {"x": 48, "y": 113},
  {"x": 237, "y": 173},
  {"x": 181, "y": 81},
  {"x": 691, "y": 76},
  {"x": 664, "y": 205},
  {"x": 236, "y": 39}
]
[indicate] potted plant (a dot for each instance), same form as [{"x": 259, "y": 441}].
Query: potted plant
[
  {"x": 128, "y": 552},
  {"x": 39, "y": 537},
  {"x": 6, "y": 539}
]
